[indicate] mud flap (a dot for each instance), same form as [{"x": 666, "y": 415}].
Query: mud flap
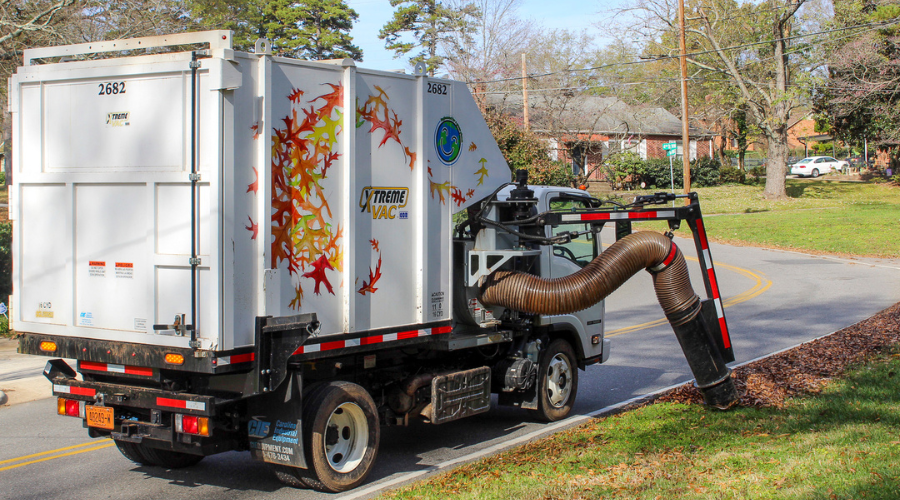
[
  {"x": 275, "y": 428},
  {"x": 460, "y": 395}
]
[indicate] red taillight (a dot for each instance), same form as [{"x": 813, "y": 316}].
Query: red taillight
[
  {"x": 72, "y": 408},
  {"x": 187, "y": 424},
  {"x": 190, "y": 425}
]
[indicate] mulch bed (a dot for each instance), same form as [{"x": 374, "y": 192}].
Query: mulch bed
[{"x": 807, "y": 368}]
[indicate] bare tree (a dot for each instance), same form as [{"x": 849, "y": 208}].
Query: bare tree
[{"x": 750, "y": 46}]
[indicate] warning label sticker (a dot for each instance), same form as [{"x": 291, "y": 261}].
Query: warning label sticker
[
  {"x": 97, "y": 268},
  {"x": 124, "y": 270}
]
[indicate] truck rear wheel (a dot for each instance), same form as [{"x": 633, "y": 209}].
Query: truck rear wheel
[
  {"x": 144, "y": 455},
  {"x": 557, "y": 382},
  {"x": 341, "y": 433}
]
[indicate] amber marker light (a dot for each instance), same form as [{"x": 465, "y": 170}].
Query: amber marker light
[
  {"x": 174, "y": 359},
  {"x": 61, "y": 406},
  {"x": 47, "y": 346}
]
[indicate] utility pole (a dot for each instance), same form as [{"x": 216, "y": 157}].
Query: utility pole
[
  {"x": 525, "y": 91},
  {"x": 685, "y": 137}
]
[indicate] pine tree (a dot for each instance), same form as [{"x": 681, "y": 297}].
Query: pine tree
[
  {"x": 308, "y": 29},
  {"x": 432, "y": 26}
]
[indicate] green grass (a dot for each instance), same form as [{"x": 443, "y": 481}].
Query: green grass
[
  {"x": 820, "y": 216},
  {"x": 841, "y": 443}
]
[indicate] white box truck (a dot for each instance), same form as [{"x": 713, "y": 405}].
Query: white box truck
[{"x": 249, "y": 252}]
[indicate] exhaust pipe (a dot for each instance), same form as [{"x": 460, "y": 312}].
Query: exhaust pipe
[{"x": 623, "y": 259}]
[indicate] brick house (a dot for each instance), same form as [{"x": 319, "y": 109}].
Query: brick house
[{"x": 584, "y": 130}]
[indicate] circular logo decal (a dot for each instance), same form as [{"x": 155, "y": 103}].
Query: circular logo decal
[{"x": 448, "y": 140}]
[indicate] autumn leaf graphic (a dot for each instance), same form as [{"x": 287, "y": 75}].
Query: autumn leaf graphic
[
  {"x": 374, "y": 243},
  {"x": 318, "y": 274},
  {"x": 472, "y": 147},
  {"x": 369, "y": 287},
  {"x": 253, "y": 228},
  {"x": 254, "y": 186}
]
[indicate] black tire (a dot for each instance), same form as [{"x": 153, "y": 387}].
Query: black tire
[
  {"x": 171, "y": 459},
  {"x": 557, "y": 382},
  {"x": 815, "y": 173},
  {"x": 133, "y": 452},
  {"x": 144, "y": 455},
  {"x": 341, "y": 433}
]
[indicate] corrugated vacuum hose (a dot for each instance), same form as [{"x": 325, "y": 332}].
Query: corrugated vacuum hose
[{"x": 623, "y": 259}]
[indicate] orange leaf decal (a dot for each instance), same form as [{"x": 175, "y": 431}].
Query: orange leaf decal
[
  {"x": 295, "y": 95},
  {"x": 254, "y": 186},
  {"x": 373, "y": 278},
  {"x": 470, "y": 193},
  {"x": 457, "y": 196},
  {"x": 472, "y": 147},
  {"x": 374, "y": 243},
  {"x": 318, "y": 274},
  {"x": 253, "y": 228},
  {"x": 411, "y": 156}
]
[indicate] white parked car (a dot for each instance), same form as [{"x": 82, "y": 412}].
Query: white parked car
[{"x": 817, "y": 165}]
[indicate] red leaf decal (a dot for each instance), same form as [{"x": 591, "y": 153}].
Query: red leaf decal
[
  {"x": 254, "y": 228},
  {"x": 374, "y": 243},
  {"x": 373, "y": 278},
  {"x": 318, "y": 274},
  {"x": 255, "y": 185}
]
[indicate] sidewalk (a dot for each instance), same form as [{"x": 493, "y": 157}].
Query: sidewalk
[{"x": 21, "y": 375}]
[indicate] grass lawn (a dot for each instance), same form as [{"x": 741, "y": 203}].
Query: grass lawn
[
  {"x": 820, "y": 216},
  {"x": 841, "y": 443}
]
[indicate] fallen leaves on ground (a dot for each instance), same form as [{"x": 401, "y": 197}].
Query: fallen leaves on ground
[{"x": 805, "y": 369}]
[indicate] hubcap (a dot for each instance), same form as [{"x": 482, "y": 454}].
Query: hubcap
[
  {"x": 559, "y": 377},
  {"x": 346, "y": 437}
]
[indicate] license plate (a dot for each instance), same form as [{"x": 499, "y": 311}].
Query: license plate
[{"x": 100, "y": 416}]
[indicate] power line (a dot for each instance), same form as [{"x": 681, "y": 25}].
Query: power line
[{"x": 691, "y": 54}]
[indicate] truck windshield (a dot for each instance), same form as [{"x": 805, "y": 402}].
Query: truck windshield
[{"x": 581, "y": 250}]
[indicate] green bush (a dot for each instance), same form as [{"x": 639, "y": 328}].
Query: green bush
[
  {"x": 732, "y": 175},
  {"x": 628, "y": 170},
  {"x": 5, "y": 260}
]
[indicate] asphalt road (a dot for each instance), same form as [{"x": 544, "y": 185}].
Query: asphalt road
[{"x": 773, "y": 299}]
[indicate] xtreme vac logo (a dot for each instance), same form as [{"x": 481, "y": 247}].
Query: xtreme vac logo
[{"x": 384, "y": 202}]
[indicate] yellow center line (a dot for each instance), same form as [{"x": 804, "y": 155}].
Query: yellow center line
[
  {"x": 89, "y": 443},
  {"x": 94, "y": 448},
  {"x": 762, "y": 284}
]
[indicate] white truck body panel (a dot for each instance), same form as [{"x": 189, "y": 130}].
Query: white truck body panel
[{"x": 324, "y": 188}]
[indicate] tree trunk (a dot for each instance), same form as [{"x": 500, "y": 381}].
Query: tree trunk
[{"x": 776, "y": 163}]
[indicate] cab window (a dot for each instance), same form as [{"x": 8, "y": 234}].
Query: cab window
[{"x": 581, "y": 250}]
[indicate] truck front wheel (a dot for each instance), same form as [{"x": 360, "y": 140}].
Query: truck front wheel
[
  {"x": 557, "y": 382},
  {"x": 341, "y": 433}
]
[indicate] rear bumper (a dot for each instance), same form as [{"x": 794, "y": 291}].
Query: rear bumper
[
  {"x": 147, "y": 415},
  {"x": 140, "y": 357}
]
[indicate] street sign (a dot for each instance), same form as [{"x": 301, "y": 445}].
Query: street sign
[
  {"x": 668, "y": 146},
  {"x": 671, "y": 152}
]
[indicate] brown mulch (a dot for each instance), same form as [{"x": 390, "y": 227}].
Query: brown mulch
[{"x": 808, "y": 367}]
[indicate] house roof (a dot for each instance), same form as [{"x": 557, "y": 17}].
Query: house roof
[{"x": 588, "y": 114}]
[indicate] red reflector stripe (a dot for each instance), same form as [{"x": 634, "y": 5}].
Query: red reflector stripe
[
  {"x": 173, "y": 403},
  {"x": 713, "y": 284},
  {"x": 136, "y": 370},
  {"x": 371, "y": 340},
  {"x": 81, "y": 391},
  {"x": 726, "y": 339},
  {"x": 672, "y": 252},
  {"x": 243, "y": 358},
  {"x": 374, "y": 339},
  {"x": 105, "y": 367},
  {"x": 408, "y": 335},
  {"x": 701, "y": 232}
]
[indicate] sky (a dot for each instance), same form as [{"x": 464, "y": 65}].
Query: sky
[{"x": 553, "y": 14}]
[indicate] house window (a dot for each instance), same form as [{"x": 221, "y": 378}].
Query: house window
[{"x": 578, "y": 159}]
